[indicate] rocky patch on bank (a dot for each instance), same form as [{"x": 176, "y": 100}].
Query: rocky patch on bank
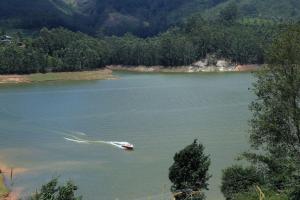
[{"x": 205, "y": 65}]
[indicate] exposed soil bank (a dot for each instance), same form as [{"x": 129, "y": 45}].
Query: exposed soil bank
[
  {"x": 8, "y": 173},
  {"x": 184, "y": 69},
  {"x": 105, "y": 74},
  {"x": 13, "y": 79}
]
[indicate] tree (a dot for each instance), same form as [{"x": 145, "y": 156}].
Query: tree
[
  {"x": 275, "y": 125},
  {"x": 189, "y": 172},
  {"x": 51, "y": 191},
  {"x": 237, "y": 179}
]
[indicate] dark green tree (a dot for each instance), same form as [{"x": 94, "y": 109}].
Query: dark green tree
[{"x": 189, "y": 172}]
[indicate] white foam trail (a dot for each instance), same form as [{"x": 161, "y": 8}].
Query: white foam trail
[
  {"x": 76, "y": 140},
  {"x": 79, "y": 140},
  {"x": 79, "y": 133},
  {"x": 82, "y": 141},
  {"x": 116, "y": 145}
]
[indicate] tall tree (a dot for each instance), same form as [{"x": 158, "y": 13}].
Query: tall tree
[
  {"x": 189, "y": 172},
  {"x": 275, "y": 126}
]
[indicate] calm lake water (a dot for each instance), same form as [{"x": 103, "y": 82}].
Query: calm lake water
[{"x": 159, "y": 113}]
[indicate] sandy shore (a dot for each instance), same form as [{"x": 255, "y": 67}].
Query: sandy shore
[
  {"x": 6, "y": 170},
  {"x": 104, "y": 74},
  {"x": 13, "y": 79}
]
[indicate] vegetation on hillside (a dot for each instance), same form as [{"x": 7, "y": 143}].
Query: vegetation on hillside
[
  {"x": 109, "y": 17},
  {"x": 63, "y": 50}
]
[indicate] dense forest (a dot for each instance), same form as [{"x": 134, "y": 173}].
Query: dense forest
[{"x": 59, "y": 49}]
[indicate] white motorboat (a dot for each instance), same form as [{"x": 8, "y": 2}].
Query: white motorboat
[{"x": 123, "y": 145}]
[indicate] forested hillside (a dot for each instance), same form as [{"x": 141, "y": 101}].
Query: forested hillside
[
  {"x": 63, "y": 50},
  {"x": 228, "y": 33},
  {"x": 109, "y": 17},
  {"x": 139, "y": 17},
  {"x": 262, "y": 9},
  {"x": 29, "y": 14}
]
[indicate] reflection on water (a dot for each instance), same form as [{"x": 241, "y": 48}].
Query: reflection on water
[{"x": 158, "y": 113}]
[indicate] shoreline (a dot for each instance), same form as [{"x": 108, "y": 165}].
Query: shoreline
[
  {"x": 107, "y": 73},
  {"x": 8, "y": 173},
  {"x": 102, "y": 74},
  {"x": 184, "y": 69}
]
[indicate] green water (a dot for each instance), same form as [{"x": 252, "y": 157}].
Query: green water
[{"x": 158, "y": 113}]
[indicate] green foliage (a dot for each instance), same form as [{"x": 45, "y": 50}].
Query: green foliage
[
  {"x": 274, "y": 10},
  {"x": 54, "y": 50},
  {"x": 237, "y": 179},
  {"x": 229, "y": 13},
  {"x": 275, "y": 126},
  {"x": 189, "y": 171},
  {"x": 51, "y": 191},
  {"x": 112, "y": 17},
  {"x": 63, "y": 50},
  {"x": 295, "y": 193},
  {"x": 276, "y": 167},
  {"x": 254, "y": 195}
]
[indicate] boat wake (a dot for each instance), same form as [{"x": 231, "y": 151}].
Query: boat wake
[{"x": 121, "y": 145}]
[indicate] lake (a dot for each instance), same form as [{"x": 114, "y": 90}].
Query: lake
[{"x": 159, "y": 113}]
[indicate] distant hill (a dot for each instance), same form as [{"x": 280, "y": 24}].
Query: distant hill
[{"x": 140, "y": 17}]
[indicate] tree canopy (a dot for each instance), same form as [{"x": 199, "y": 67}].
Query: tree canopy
[
  {"x": 52, "y": 191},
  {"x": 189, "y": 171}
]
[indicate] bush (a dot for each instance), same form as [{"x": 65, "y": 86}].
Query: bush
[
  {"x": 254, "y": 195},
  {"x": 237, "y": 179},
  {"x": 52, "y": 191}
]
